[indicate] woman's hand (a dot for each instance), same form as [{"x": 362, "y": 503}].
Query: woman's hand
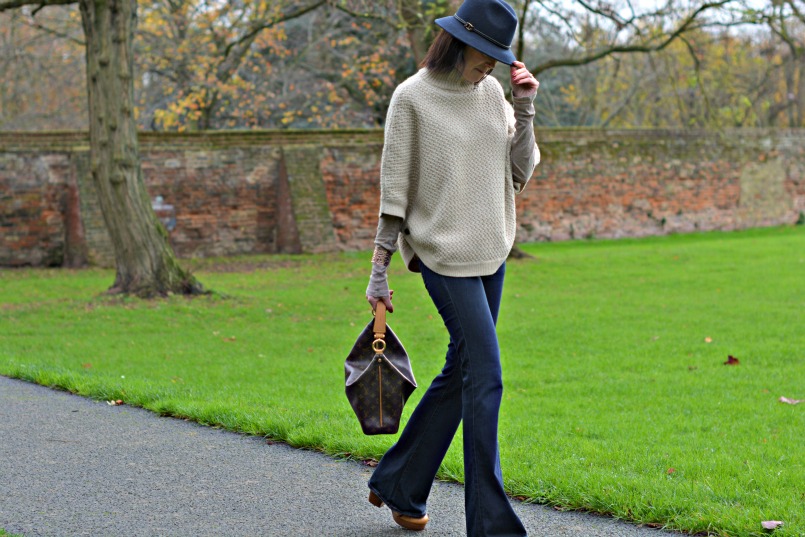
[
  {"x": 373, "y": 300},
  {"x": 378, "y": 288},
  {"x": 523, "y": 82}
]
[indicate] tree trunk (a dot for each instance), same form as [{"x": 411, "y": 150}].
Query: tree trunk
[
  {"x": 800, "y": 96},
  {"x": 146, "y": 264},
  {"x": 521, "y": 31}
]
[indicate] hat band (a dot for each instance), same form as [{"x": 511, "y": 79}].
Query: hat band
[{"x": 469, "y": 27}]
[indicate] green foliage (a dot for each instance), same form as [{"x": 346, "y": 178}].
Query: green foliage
[{"x": 616, "y": 400}]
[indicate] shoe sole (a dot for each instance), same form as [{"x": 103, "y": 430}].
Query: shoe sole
[
  {"x": 408, "y": 523},
  {"x": 402, "y": 520}
]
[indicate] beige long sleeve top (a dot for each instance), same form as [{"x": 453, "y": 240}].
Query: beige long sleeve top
[{"x": 455, "y": 154}]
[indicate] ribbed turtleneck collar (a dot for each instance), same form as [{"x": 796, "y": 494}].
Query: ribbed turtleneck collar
[{"x": 451, "y": 82}]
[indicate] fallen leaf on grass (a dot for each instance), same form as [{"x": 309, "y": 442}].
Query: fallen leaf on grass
[
  {"x": 86, "y": 366},
  {"x": 771, "y": 524},
  {"x": 732, "y": 360},
  {"x": 671, "y": 471},
  {"x": 788, "y": 401},
  {"x": 708, "y": 339},
  {"x": 369, "y": 462}
]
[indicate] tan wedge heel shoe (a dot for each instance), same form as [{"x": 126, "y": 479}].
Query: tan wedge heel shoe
[{"x": 407, "y": 522}]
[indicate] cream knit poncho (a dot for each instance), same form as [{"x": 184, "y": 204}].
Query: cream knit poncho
[{"x": 454, "y": 156}]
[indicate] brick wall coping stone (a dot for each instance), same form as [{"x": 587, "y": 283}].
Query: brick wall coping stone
[
  {"x": 79, "y": 140},
  {"x": 580, "y": 136}
]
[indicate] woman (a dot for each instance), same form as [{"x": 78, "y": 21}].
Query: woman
[{"x": 455, "y": 154}]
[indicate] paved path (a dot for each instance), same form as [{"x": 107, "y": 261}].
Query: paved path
[{"x": 72, "y": 466}]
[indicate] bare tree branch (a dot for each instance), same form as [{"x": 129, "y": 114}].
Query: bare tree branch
[
  {"x": 686, "y": 25},
  {"x": 624, "y": 101},
  {"x": 5, "y": 5},
  {"x": 562, "y": 17},
  {"x": 797, "y": 13},
  {"x": 521, "y": 29},
  {"x": 235, "y": 50},
  {"x": 697, "y": 68},
  {"x": 247, "y": 39},
  {"x": 367, "y": 15},
  {"x": 607, "y": 12},
  {"x": 57, "y": 33}
]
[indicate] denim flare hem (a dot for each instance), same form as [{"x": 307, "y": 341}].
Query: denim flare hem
[{"x": 394, "y": 508}]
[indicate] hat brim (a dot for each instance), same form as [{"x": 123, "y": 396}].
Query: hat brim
[{"x": 457, "y": 30}]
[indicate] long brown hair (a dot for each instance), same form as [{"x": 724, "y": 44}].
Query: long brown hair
[{"x": 445, "y": 54}]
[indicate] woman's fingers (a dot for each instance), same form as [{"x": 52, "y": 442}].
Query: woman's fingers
[
  {"x": 386, "y": 300},
  {"x": 522, "y": 74},
  {"x": 523, "y": 82}
]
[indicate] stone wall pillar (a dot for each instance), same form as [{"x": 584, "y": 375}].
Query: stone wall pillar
[{"x": 311, "y": 211}]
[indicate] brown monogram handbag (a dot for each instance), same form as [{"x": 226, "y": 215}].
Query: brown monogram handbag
[{"x": 379, "y": 378}]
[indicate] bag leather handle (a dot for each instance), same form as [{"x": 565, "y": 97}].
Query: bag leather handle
[
  {"x": 379, "y": 329},
  {"x": 380, "y": 319}
]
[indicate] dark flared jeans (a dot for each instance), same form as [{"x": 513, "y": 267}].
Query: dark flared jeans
[{"x": 468, "y": 389}]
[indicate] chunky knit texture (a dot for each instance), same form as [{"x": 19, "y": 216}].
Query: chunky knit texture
[{"x": 447, "y": 171}]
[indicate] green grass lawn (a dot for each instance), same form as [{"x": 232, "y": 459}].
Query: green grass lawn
[{"x": 617, "y": 399}]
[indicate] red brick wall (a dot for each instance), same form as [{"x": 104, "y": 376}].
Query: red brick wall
[
  {"x": 33, "y": 198},
  {"x": 352, "y": 178},
  {"x": 231, "y": 198},
  {"x": 225, "y": 199},
  {"x": 622, "y": 186}
]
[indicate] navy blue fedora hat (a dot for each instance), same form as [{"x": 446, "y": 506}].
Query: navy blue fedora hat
[{"x": 485, "y": 25}]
